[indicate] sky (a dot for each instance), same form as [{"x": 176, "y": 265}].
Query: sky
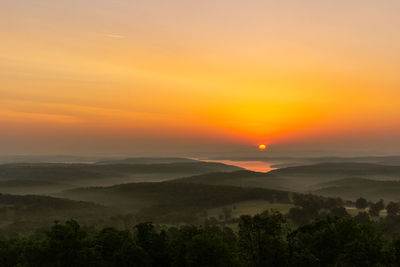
[{"x": 179, "y": 77}]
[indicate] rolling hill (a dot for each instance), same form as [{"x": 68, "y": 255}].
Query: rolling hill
[
  {"x": 283, "y": 162},
  {"x": 77, "y": 175},
  {"x": 171, "y": 201},
  {"x": 242, "y": 178},
  {"x": 148, "y": 160},
  {"x": 353, "y": 188},
  {"x": 22, "y": 187},
  {"x": 22, "y": 214},
  {"x": 298, "y": 178}
]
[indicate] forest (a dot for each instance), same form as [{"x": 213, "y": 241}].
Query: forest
[
  {"x": 317, "y": 231},
  {"x": 264, "y": 239}
]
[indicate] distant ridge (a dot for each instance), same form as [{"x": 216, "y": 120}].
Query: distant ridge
[
  {"x": 90, "y": 174},
  {"x": 354, "y": 187},
  {"x": 242, "y": 178},
  {"x": 348, "y": 168},
  {"x": 147, "y": 160},
  {"x": 298, "y": 178},
  {"x": 283, "y": 162}
]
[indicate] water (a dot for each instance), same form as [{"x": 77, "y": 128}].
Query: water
[{"x": 257, "y": 166}]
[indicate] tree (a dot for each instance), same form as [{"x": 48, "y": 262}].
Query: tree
[
  {"x": 392, "y": 209},
  {"x": 155, "y": 244},
  {"x": 261, "y": 239},
  {"x": 375, "y": 208},
  {"x": 361, "y": 217},
  {"x": 117, "y": 248},
  {"x": 66, "y": 245},
  {"x": 227, "y": 213},
  {"x": 331, "y": 203},
  {"x": 336, "y": 242},
  {"x": 302, "y": 216},
  {"x": 206, "y": 249},
  {"x": 308, "y": 201},
  {"x": 340, "y": 212},
  {"x": 197, "y": 246},
  {"x": 361, "y": 203}
]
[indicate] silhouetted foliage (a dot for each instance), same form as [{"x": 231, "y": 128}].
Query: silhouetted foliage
[
  {"x": 340, "y": 212},
  {"x": 260, "y": 239},
  {"x": 361, "y": 203},
  {"x": 308, "y": 207},
  {"x": 362, "y": 217},
  {"x": 336, "y": 242},
  {"x": 392, "y": 208},
  {"x": 375, "y": 208},
  {"x": 302, "y": 216},
  {"x": 118, "y": 248},
  {"x": 227, "y": 213}
]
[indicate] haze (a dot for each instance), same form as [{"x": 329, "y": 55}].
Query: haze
[
  {"x": 174, "y": 133},
  {"x": 199, "y": 77}
]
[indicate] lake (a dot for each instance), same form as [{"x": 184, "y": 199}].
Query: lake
[{"x": 257, "y": 166}]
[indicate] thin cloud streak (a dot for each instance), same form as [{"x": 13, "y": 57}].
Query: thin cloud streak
[{"x": 115, "y": 36}]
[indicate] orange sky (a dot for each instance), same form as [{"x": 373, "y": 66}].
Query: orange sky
[{"x": 185, "y": 76}]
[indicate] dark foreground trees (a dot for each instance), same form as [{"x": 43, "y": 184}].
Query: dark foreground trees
[
  {"x": 261, "y": 240},
  {"x": 361, "y": 203},
  {"x": 336, "y": 242}
]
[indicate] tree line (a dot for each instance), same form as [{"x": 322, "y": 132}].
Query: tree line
[{"x": 265, "y": 239}]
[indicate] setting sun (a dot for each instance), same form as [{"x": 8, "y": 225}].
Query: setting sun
[{"x": 262, "y": 147}]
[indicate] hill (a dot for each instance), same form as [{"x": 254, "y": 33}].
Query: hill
[
  {"x": 23, "y": 187},
  {"x": 104, "y": 174},
  {"x": 242, "y": 178},
  {"x": 353, "y": 188},
  {"x": 304, "y": 177},
  {"x": 348, "y": 169},
  {"x": 147, "y": 160},
  {"x": 49, "y": 159},
  {"x": 283, "y": 162},
  {"x": 22, "y": 214},
  {"x": 298, "y": 178},
  {"x": 172, "y": 202}
]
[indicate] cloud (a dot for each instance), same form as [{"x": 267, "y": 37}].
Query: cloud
[
  {"x": 113, "y": 35},
  {"x": 23, "y": 117}
]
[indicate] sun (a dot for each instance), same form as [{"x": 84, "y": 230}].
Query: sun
[{"x": 262, "y": 147}]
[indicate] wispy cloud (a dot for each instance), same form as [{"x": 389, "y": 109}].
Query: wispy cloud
[
  {"x": 21, "y": 116},
  {"x": 113, "y": 35}
]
